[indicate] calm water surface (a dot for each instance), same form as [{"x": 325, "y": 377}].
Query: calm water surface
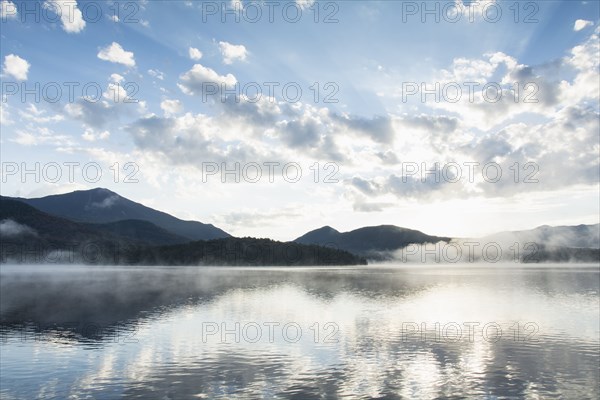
[{"x": 370, "y": 332}]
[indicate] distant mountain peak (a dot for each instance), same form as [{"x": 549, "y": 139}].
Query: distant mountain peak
[
  {"x": 99, "y": 190},
  {"x": 369, "y": 240},
  {"x": 326, "y": 228},
  {"x": 101, "y": 205}
]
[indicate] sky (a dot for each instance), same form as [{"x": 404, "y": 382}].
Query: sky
[{"x": 270, "y": 119}]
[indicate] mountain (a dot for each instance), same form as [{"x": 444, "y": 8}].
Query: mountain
[
  {"x": 32, "y": 236},
  {"x": 579, "y": 236},
  {"x": 29, "y": 222},
  {"x": 29, "y": 235},
  {"x": 21, "y": 222},
  {"x": 368, "y": 241},
  {"x": 388, "y": 243},
  {"x": 140, "y": 231},
  {"x": 101, "y": 206},
  {"x": 99, "y": 226}
]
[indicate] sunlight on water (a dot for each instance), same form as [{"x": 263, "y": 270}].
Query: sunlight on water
[{"x": 418, "y": 332}]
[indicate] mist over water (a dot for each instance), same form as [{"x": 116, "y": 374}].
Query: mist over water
[{"x": 364, "y": 332}]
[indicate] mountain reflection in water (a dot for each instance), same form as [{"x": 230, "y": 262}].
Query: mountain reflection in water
[{"x": 368, "y": 332}]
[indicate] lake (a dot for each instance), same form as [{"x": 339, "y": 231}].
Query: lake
[{"x": 410, "y": 332}]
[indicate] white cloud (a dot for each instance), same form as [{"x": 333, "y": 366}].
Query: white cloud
[
  {"x": 193, "y": 81},
  {"x": 5, "y": 115},
  {"x": 70, "y": 16},
  {"x": 116, "y": 102},
  {"x": 88, "y": 135},
  {"x": 156, "y": 74},
  {"x": 581, "y": 24},
  {"x": 8, "y": 10},
  {"x": 303, "y": 4},
  {"x": 9, "y": 228},
  {"x": 171, "y": 107},
  {"x": 237, "y": 5},
  {"x": 232, "y": 52},
  {"x": 41, "y": 136},
  {"x": 116, "y": 78},
  {"x": 472, "y": 11},
  {"x": 38, "y": 116},
  {"x": 16, "y": 67},
  {"x": 194, "y": 53},
  {"x": 91, "y": 136},
  {"x": 116, "y": 93},
  {"x": 116, "y": 54},
  {"x": 254, "y": 217},
  {"x": 585, "y": 56}
]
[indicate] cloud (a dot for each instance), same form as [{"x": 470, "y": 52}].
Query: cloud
[
  {"x": 115, "y": 54},
  {"x": 361, "y": 205},
  {"x": 190, "y": 139},
  {"x": 116, "y": 78},
  {"x": 232, "y": 52},
  {"x": 106, "y": 203},
  {"x": 194, "y": 81},
  {"x": 171, "y": 107},
  {"x": 514, "y": 89},
  {"x": 303, "y": 132},
  {"x": 34, "y": 114},
  {"x": 94, "y": 114},
  {"x": 70, "y": 16},
  {"x": 372, "y": 148},
  {"x": 156, "y": 74},
  {"x": 255, "y": 218},
  {"x": 472, "y": 11},
  {"x": 194, "y": 53},
  {"x": 388, "y": 157},
  {"x": 115, "y": 93},
  {"x": 526, "y": 154},
  {"x": 364, "y": 185},
  {"x": 378, "y": 128},
  {"x": 5, "y": 115},
  {"x": 303, "y": 4},
  {"x": 16, "y": 67},
  {"x": 35, "y": 136},
  {"x": 581, "y": 24},
  {"x": 98, "y": 111},
  {"x": 10, "y": 228},
  {"x": 405, "y": 186},
  {"x": 8, "y": 10},
  {"x": 91, "y": 136},
  {"x": 261, "y": 131},
  {"x": 585, "y": 56}
]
